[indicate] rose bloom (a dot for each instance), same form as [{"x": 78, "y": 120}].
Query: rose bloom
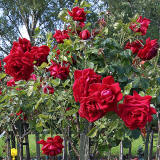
[
  {"x": 20, "y": 113},
  {"x": 0, "y": 66},
  {"x": 136, "y": 111},
  {"x": 85, "y": 34},
  {"x": 60, "y": 36},
  {"x": 59, "y": 71},
  {"x": 52, "y": 146},
  {"x": 0, "y": 92},
  {"x": 149, "y": 50},
  {"x": 78, "y": 14},
  {"x": 19, "y": 65},
  {"x": 22, "y": 45},
  {"x": 134, "y": 46},
  {"x": 40, "y": 54},
  {"x": 82, "y": 81},
  {"x": 48, "y": 89},
  {"x": 11, "y": 83},
  {"x": 143, "y": 22},
  {"x": 103, "y": 98}
]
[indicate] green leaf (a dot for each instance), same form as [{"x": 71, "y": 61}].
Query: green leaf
[
  {"x": 71, "y": 112},
  {"x": 127, "y": 88},
  {"x": 43, "y": 65},
  {"x": 93, "y": 132},
  {"x": 38, "y": 103},
  {"x": 56, "y": 82},
  {"x": 2, "y": 75},
  {"x": 37, "y": 31},
  {"x": 30, "y": 91},
  {"x": 85, "y": 4},
  {"x": 66, "y": 83}
]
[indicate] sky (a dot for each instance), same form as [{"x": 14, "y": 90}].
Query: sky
[{"x": 24, "y": 32}]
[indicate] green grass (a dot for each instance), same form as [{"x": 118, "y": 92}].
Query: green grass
[{"x": 115, "y": 150}]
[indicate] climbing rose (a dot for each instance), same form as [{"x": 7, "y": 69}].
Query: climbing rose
[
  {"x": 48, "y": 89},
  {"x": 136, "y": 111},
  {"x": 82, "y": 81},
  {"x": 33, "y": 77},
  {"x": 59, "y": 71},
  {"x": 78, "y": 14},
  {"x": 85, "y": 34},
  {"x": 134, "y": 46},
  {"x": 22, "y": 45},
  {"x": 103, "y": 98},
  {"x": 149, "y": 50},
  {"x": 143, "y": 22},
  {"x": 40, "y": 54},
  {"x": 19, "y": 65},
  {"x": 60, "y": 36},
  {"x": 11, "y": 83},
  {"x": 52, "y": 146}
]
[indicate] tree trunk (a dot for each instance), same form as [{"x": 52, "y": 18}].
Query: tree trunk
[
  {"x": 8, "y": 147},
  {"x": 13, "y": 142},
  {"x": 151, "y": 147},
  {"x": 84, "y": 143},
  {"x": 21, "y": 150},
  {"x": 69, "y": 145},
  {"x": 37, "y": 146},
  {"x": 121, "y": 151}
]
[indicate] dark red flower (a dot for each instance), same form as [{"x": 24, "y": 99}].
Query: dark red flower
[
  {"x": 85, "y": 34},
  {"x": 59, "y": 71},
  {"x": 0, "y": 91},
  {"x": 82, "y": 81},
  {"x": 19, "y": 65},
  {"x": 134, "y": 46},
  {"x": 48, "y": 89},
  {"x": 60, "y": 36},
  {"x": 136, "y": 111},
  {"x": 141, "y": 26},
  {"x": 22, "y": 45},
  {"x": 149, "y": 50},
  {"x": 103, "y": 98},
  {"x": 11, "y": 83},
  {"x": 0, "y": 66},
  {"x": 78, "y": 14},
  {"x": 21, "y": 114},
  {"x": 40, "y": 54},
  {"x": 52, "y": 146}
]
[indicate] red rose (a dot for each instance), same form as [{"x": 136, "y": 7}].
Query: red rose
[
  {"x": 78, "y": 14},
  {"x": 143, "y": 22},
  {"x": 149, "y": 50},
  {"x": 0, "y": 66},
  {"x": 19, "y": 65},
  {"x": 11, "y": 83},
  {"x": 20, "y": 114},
  {"x": 103, "y": 98},
  {"x": 82, "y": 81},
  {"x": 134, "y": 46},
  {"x": 48, "y": 89},
  {"x": 22, "y": 45},
  {"x": 106, "y": 93},
  {"x": 58, "y": 71},
  {"x": 60, "y": 36},
  {"x": 91, "y": 109},
  {"x": 85, "y": 34},
  {"x": 53, "y": 146},
  {"x": 136, "y": 111},
  {"x": 0, "y": 92},
  {"x": 40, "y": 54}
]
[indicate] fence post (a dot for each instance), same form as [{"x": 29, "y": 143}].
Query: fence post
[
  {"x": 121, "y": 151},
  {"x": 37, "y": 146},
  {"x": 84, "y": 143},
  {"x": 8, "y": 147}
]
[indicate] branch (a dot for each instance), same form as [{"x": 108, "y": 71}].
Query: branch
[{"x": 3, "y": 50}]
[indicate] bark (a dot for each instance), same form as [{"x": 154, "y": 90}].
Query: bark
[
  {"x": 13, "y": 140},
  {"x": 27, "y": 147},
  {"x": 65, "y": 149}
]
